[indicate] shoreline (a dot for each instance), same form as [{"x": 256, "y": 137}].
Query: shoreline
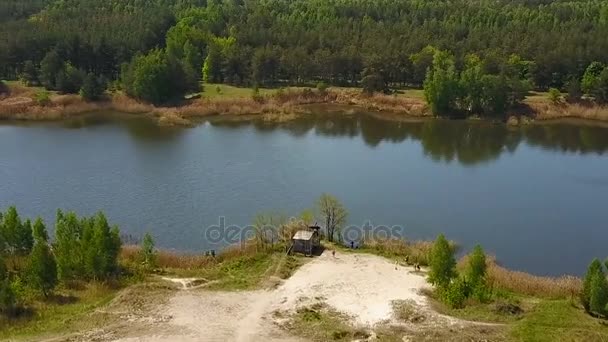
[{"x": 284, "y": 106}]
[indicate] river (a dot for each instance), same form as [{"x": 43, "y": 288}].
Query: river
[{"x": 535, "y": 196}]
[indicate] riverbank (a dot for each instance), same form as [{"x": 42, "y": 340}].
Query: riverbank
[
  {"x": 272, "y": 105},
  {"x": 246, "y": 293}
]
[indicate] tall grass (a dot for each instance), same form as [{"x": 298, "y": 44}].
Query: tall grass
[
  {"x": 537, "y": 286},
  {"x": 547, "y": 111},
  {"x": 416, "y": 251}
]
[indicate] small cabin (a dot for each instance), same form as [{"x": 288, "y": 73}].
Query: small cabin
[{"x": 306, "y": 241}]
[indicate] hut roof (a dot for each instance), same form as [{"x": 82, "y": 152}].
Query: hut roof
[{"x": 303, "y": 235}]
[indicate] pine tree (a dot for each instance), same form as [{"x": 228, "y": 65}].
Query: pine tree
[
  {"x": 92, "y": 88},
  {"x": 594, "y": 268},
  {"x": 25, "y": 238},
  {"x": 7, "y": 297},
  {"x": 39, "y": 231},
  {"x": 598, "y": 297},
  {"x": 68, "y": 231},
  {"x": 443, "y": 264},
  {"x": 147, "y": 254},
  {"x": 16, "y": 235},
  {"x": 476, "y": 271},
  {"x": 42, "y": 268}
]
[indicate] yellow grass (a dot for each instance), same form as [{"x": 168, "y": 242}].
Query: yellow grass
[{"x": 528, "y": 284}]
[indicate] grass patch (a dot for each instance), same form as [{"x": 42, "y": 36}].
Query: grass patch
[
  {"x": 64, "y": 312},
  {"x": 320, "y": 323},
  {"x": 408, "y": 311},
  {"x": 559, "y": 320}
]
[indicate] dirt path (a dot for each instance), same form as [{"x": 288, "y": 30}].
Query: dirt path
[{"x": 362, "y": 286}]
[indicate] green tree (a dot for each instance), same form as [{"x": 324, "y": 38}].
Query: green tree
[
  {"x": 442, "y": 263},
  {"x": 422, "y": 61},
  {"x": 7, "y": 297},
  {"x": 476, "y": 270},
  {"x": 154, "y": 78},
  {"x": 29, "y": 74},
  {"x": 39, "y": 231},
  {"x": 574, "y": 90},
  {"x": 42, "y": 268},
  {"x": 472, "y": 85},
  {"x": 70, "y": 79},
  {"x": 373, "y": 82},
  {"x": 591, "y": 76},
  {"x": 68, "y": 247},
  {"x": 601, "y": 87},
  {"x": 92, "y": 88},
  {"x": 212, "y": 67},
  {"x": 50, "y": 66},
  {"x": 333, "y": 214},
  {"x": 441, "y": 86},
  {"x": 595, "y": 268},
  {"x": 16, "y": 235},
  {"x": 147, "y": 253},
  {"x": 598, "y": 296}
]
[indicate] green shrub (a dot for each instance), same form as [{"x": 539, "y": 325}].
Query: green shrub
[
  {"x": 555, "y": 96},
  {"x": 455, "y": 293},
  {"x": 322, "y": 87},
  {"x": 43, "y": 98}
]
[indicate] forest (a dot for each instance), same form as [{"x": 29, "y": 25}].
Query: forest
[{"x": 157, "y": 50}]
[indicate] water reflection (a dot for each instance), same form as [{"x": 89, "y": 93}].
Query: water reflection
[{"x": 465, "y": 142}]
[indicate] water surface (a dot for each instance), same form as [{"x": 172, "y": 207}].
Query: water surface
[{"x": 534, "y": 196}]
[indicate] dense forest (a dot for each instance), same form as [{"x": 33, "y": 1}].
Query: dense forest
[{"x": 159, "y": 49}]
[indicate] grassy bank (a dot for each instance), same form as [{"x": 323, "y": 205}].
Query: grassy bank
[{"x": 271, "y": 104}]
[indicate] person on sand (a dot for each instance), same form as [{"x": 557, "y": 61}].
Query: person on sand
[{"x": 333, "y": 253}]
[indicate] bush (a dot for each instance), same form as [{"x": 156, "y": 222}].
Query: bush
[
  {"x": 147, "y": 253},
  {"x": 4, "y": 89},
  {"x": 555, "y": 96},
  {"x": 322, "y": 87},
  {"x": 255, "y": 95},
  {"x": 455, "y": 293},
  {"x": 43, "y": 98}
]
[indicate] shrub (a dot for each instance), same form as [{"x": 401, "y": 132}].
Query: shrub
[
  {"x": 555, "y": 96},
  {"x": 455, "y": 293},
  {"x": 43, "y": 98},
  {"x": 322, "y": 87},
  {"x": 147, "y": 253}
]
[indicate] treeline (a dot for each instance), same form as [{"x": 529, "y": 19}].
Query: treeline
[
  {"x": 84, "y": 249},
  {"x": 304, "y": 39},
  {"x": 161, "y": 49}
]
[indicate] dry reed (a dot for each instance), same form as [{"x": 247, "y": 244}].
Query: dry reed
[{"x": 528, "y": 284}]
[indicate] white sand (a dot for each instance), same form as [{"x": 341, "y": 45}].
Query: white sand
[{"x": 361, "y": 286}]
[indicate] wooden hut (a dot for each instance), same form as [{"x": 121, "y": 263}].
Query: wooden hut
[{"x": 306, "y": 241}]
